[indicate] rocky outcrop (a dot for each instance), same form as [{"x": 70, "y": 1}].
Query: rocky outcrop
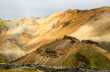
[{"x": 68, "y": 52}]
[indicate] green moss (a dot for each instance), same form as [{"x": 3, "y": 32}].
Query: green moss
[
  {"x": 2, "y": 24},
  {"x": 2, "y": 59},
  {"x": 87, "y": 57},
  {"x": 70, "y": 61},
  {"x": 96, "y": 60}
]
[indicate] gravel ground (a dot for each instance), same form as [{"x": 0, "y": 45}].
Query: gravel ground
[{"x": 42, "y": 68}]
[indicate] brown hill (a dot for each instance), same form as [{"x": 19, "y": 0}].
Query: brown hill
[
  {"x": 68, "y": 52},
  {"x": 25, "y": 36}
]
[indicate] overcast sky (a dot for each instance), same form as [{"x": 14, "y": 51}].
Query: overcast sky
[{"x": 27, "y": 8}]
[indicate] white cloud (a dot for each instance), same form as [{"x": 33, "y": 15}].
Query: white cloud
[{"x": 18, "y": 8}]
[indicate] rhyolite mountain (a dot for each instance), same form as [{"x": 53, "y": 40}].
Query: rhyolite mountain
[
  {"x": 69, "y": 38},
  {"x": 68, "y": 52}
]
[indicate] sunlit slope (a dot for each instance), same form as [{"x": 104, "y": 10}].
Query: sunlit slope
[
  {"x": 69, "y": 22},
  {"x": 25, "y": 35},
  {"x": 63, "y": 24},
  {"x": 99, "y": 25},
  {"x": 97, "y": 28}
]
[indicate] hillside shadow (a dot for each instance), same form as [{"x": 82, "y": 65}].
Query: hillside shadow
[{"x": 105, "y": 45}]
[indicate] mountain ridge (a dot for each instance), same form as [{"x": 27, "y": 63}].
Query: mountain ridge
[{"x": 21, "y": 37}]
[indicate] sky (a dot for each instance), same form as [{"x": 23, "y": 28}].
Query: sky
[{"x": 10, "y": 9}]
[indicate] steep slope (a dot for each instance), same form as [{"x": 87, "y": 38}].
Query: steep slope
[
  {"x": 27, "y": 34},
  {"x": 23, "y": 36},
  {"x": 97, "y": 28},
  {"x": 68, "y": 52},
  {"x": 71, "y": 22}
]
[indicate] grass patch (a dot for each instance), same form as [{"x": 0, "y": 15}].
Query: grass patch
[
  {"x": 2, "y": 59},
  {"x": 87, "y": 57},
  {"x": 2, "y": 24},
  {"x": 96, "y": 60},
  {"x": 70, "y": 61}
]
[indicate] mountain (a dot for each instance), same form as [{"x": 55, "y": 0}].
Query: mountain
[
  {"x": 28, "y": 40},
  {"x": 68, "y": 52}
]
